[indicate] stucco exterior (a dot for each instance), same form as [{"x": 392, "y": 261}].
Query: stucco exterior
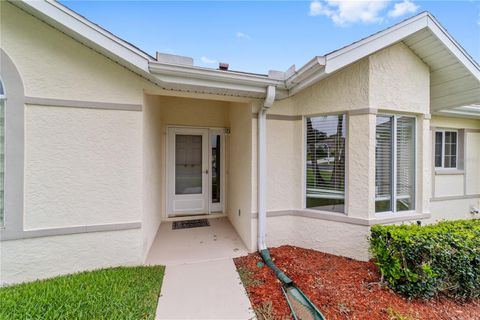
[
  {"x": 83, "y": 166},
  {"x": 456, "y": 192},
  {"x": 96, "y": 150},
  {"x": 73, "y": 172},
  {"x": 45, "y": 257}
]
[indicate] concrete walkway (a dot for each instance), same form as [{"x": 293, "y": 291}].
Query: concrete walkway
[{"x": 201, "y": 280}]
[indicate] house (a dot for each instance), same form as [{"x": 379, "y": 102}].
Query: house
[{"x": 103, "y": 143}]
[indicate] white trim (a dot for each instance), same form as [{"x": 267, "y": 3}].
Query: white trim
[
  {"x": 48, "y": 102},
  {"x": 14, "y": 148},
  {"x": 62, "y": 231},
  {"x": 394, "y": 165},
  {"x": 170, "y": 173},
  {"x": 304, "y": 159},
  {"x": 341, "y": 218},
  {"x": 354, "y": 52},
  {"x": 203, "y": 197},
  {"x": 442, "y": 168}
]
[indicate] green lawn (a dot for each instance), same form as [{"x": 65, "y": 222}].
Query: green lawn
[{"x": 115, "y": 293}]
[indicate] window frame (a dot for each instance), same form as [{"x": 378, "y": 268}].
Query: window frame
[
  {"x": 304, "y": 161},
  {"x": 3, "y": 100},
  {"x": 14, "y": 97},
  {"x": 394, "y": 196},
  {"x": 442, "y": 156}
]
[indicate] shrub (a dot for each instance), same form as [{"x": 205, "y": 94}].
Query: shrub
[{"x": 424, "y": 261}]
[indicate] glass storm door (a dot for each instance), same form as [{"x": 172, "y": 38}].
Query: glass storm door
[
  {"x": 195, "y": 171},
  {"x": 188, "y": 171}
]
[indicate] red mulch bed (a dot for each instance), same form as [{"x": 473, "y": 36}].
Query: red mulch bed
[{"x": 341, "y": 288}]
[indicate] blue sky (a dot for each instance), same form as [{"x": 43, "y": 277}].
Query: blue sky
[{"x": 259, "y": 36}]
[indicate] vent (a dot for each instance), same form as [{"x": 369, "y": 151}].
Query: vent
[
  {"x": 188, "y": 224},
  {"x": 223, "y": 66}
]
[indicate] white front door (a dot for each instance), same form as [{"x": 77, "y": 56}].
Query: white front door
[{"x": 195, "y": 171}]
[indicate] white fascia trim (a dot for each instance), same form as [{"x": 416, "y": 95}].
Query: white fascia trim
[
  {"x": 363, "y": 48},
  {"x": 454, "y": 47},
  {"x": 219, "y": 79},
  {"x": 306, "y": 71},
  {"x": 86, "y": 32}
]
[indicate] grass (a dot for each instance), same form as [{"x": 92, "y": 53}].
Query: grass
[
  {"x": 115, "y": 293},
  {"x": 247, "y": 277}
]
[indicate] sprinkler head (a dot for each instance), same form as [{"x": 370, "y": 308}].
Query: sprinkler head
[{"x": 260, "y": 264}]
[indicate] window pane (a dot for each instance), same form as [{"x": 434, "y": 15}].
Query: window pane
[
  {"x": 450, "y": 149},
  {"x": 383, "y": 164},
  {"x": 326, "y": 163},
  {"x": 188, "y": 164},
  {"x": 438, "y": 149},
  {"x": 405, "y": 164},
  {"x": 216, "y": 167}
]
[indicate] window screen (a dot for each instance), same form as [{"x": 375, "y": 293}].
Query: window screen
[{"x": 325, "y": 167}]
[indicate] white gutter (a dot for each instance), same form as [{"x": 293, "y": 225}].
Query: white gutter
[{"x": 262, "y": 166}]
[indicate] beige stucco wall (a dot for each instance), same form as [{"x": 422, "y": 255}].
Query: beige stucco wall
[
  {"x": 472, "y": 163},
  {"x": 38, "y": 258},
  {"x": 82, "y": 167},
  {"x": 153, "y": 140},
  {"x": 284, "y": 168},
  {"x": 456, "y": 193},
  {"x": 337, "y": 238},
  {"x": 360, "y": 166},
  {"x": 399, "y": 81},
  {"x": 345, "y": 90},
  {"x": 467, "y": 180},
  {"x": 239, "y": 168},
  {"x": 53, "y": 65}
]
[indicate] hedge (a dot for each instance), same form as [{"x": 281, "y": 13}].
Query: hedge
[{"x": 425, "y": 261}]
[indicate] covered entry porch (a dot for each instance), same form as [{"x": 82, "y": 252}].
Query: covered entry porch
[
  {"x": 197, "y": 165},
  {"x": 217, "y": 241}
]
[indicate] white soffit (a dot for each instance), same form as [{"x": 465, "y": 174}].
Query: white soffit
[
  {"x": 454, "y": 75},
  {"x": 470, "y": 111}
]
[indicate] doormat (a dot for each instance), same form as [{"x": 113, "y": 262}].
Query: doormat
[{"x": 187, "y": 224}]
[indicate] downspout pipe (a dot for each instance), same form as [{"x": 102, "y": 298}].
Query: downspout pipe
[
  {"x": 262, "y": 181},
  {"x": 262, "y": 166},
  {"x": 292, "y": 294}
]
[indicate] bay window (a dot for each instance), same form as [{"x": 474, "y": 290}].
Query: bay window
[
  {"x": 395, "y": 163},
  {"x": 325, "y": 162}
]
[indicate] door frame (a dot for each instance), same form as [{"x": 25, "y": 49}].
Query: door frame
[{"x": 170, "y": 174}]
